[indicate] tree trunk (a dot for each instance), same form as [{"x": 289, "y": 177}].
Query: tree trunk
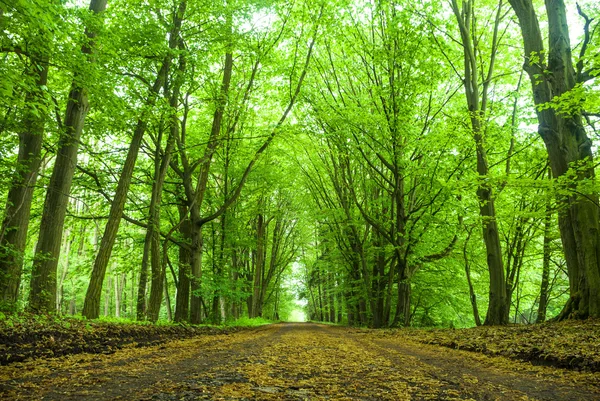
[
  {"x": 403, "y": 315},
  {"x": 159, "y": 273},
  {"x": 472, "y": 295},
  {"x": 168, "y": 300},
  {"x": 65, "y": 270},
  {"x": 259, "y": 267},
  {"x": 182, "y": 301},
  {"x": 42, "y": 296},
  {"x": 160, "y": 173},
  {"x": 132, "y": 297},
  {"x": 569, "y": 150},
  {"x": 332, "y": 312},
  {"x": 196, "y": 275},
  {"x": 91, "y": 306},
  {"x": 107, "y": 296},
  {"x": 15, "y": 224},
  {"x": 544, "y": 295},
  {"x": 118, "y": 290},
  {"x": 235, "y": 308},
  {"x": 477, "y": 107},
  {"x": 143, "y": 282},
  {"x": 350, "y": 307}
]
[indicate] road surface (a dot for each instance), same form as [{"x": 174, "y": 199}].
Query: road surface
[{"x": 298, "y": 361}]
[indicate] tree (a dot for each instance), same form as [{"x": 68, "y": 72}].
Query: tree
[
  {"x": 91, "y": 307},
  {"x": 42, "y": 296},
  {"x": 477, "y": 100},
  {"x": 15, "y": 222},
  {"x": 553, "y": 78}
]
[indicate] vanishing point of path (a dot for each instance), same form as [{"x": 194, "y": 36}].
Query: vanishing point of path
[{"x": 292, "y": 362}]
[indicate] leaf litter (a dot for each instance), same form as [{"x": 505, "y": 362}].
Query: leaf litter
[{"x": 294, "y": 362}]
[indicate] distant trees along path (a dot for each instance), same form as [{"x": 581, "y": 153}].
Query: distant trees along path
[{"x": 372, "y": 163}]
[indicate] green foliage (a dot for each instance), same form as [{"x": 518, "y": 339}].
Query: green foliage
[
  {"x": 249, "y": 322},
  {"x": 367, "y": 191}
]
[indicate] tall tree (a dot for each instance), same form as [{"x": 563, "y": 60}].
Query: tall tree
[
  {"x": 554, "y": 76},
  {"x": 477, "y": 100},
  {"x": 42, "y": 296},
  {"x": 91, "y": 306},
  {"x": 15, "y": 224}
]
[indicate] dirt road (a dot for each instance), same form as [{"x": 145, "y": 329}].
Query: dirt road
[{"x": 292, "y": 362}]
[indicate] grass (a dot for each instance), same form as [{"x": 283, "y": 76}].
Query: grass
[
  {"x": 24, "y": 318},
  {"x": 248, "y": 322}
]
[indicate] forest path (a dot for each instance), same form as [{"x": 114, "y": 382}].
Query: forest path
[{"x": 292, "y": 362}]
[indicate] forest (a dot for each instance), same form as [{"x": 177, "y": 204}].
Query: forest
[{"x": 375, "y": 163}]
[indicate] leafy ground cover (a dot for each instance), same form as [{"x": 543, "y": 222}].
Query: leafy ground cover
[
  {"x": 29, "y": 336},
  {"x": 293, "y": 362},
  {"x": 573, "y": 344}
]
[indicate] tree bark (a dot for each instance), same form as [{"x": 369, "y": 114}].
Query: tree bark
[
  {"x": 143, "y": 281},
  {"x": 15, "y": 224},
  {"x": 553, "y": 74},
  {"x": 544, "y": 295},
  {"x": 63, "y": 274},
  {"x": 472, "y": 295},
  {"x": 118, "y": 290},
  {"x": 182, "y": 300},
  {"x": 91, "y": 306},
  {"x": 403, "y": 304},
  {"x": 257, "y": 280},
  {"x": 42, "y": 296},
  {"x": 168, "y": 300},
  {"x": 160, "y": 173},
  {"x": 477, "y": 106}
]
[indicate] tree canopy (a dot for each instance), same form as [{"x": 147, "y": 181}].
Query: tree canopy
[{"x": 375, "y": 162}]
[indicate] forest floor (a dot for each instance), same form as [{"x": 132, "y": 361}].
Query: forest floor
[{"x": 294, "y": 362}]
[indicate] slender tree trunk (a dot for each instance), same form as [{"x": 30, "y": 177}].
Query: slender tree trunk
[
  {"x": 168, "y": 300},
  {"x": 107, "y": 296},
  {"x": 132, "y": 297},
  {"x": 378, "y": 284},
  {"x": 477, "y": 106},
  {"x": 118, "y": 291},
  {"x": 42, "y": 296},
  {"x": 324, "y": 295},
  {"x": 15, "y": 224},
  {"x": 332, "y": 312},
  {"x": 65, "y": 270},
  {"x": 259, "y": 266},
  {"x": 182, "y": 301},
  {"x": 362, "y": 311},
  {"x": 340, "y": 304},
  {"x": 218, "y": 297},
  {"x": 143, "y": 282},
  {"x": 196, "y": 198},
  {"x": 403, "y": 314},
  {"x": 92, "y": 297},
  {"x": 196, "y": 276},
  {"x": 90, "y": 307},
  {"x": 320, "y": 296},
  {"x": 160, "y": 173},
  {"x": 123, "y": 292},
  {"x": 544, "y": 295},
  {"x": 235, "y": 309},
  {"x": 158, "y": 273},
  {"x": 472, "y": 295}
]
